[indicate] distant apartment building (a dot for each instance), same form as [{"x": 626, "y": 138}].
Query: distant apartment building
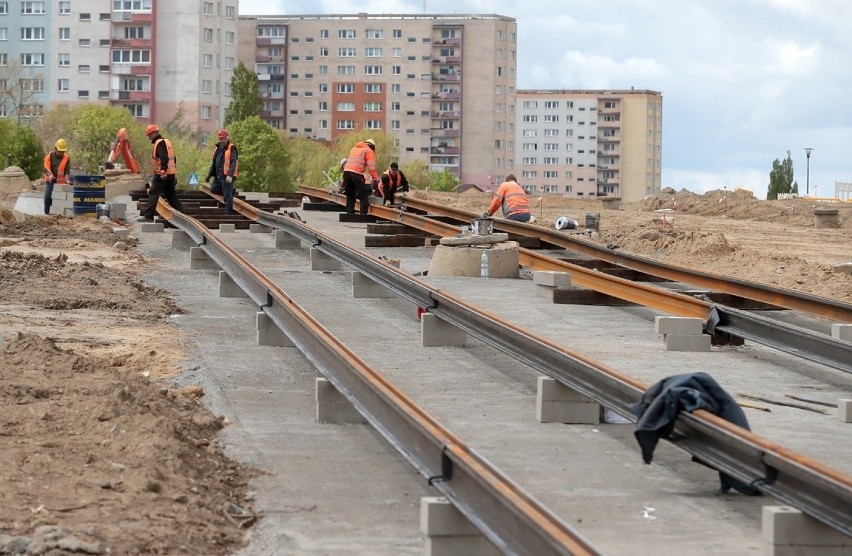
[
  {"x": 152, "y": 58},
  {"x": 590, "y": 143},
  {"x": 443, "y": 85}
]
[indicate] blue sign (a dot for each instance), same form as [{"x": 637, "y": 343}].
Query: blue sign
[{"x": 193, "y": 179}]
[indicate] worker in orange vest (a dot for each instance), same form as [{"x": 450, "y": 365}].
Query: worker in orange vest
[
  {"x": 57, "y": 169},
  {"x": 512, "y": 198},
  {"x": 163, "y": 174},
  {"x": 392, "y": 181},
  {"x": 225, "y": 168},
  {"x": 361, "y": 158}
]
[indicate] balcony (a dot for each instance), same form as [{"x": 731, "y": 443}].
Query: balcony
[
  {"x": 446, "y": 77},
  {"x": 270, "y": 41},
  {"x": 130, "y": 69},
  {"x": 273, "y": 96},
  {"x": 447, "y": 115},
  {"x": 605, "y": 124},
  {"x": 609, "y": 139},
  {"x": 452, "y": 168},
  {"x": 267, "y": 59},
  {"x": 446, "y": 133},
  {"x": 132, "y": 17},
  {"x": 446, "y": 95},
  {"x": 445, "y": 150},
  {"x": 131, "y": 43},
  {"x": 446, "y": 59},
  {"x": 449, "y": 42},
  {"x": 138, "y": 96}
]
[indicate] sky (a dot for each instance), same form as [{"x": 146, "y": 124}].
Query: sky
[{"x": 743, "y": 81}]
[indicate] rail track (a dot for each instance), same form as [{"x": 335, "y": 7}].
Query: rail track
[{"x": 820, "y": 491}]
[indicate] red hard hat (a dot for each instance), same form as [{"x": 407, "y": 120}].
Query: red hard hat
[
  {"x": 222, "y": 134},
  {"x": 152, "y": 128}
]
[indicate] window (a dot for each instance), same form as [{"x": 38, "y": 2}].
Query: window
[
  {"x": 375, "y": 34},
  {"x": 36, "y": 59},
  {"x": 397, "y": 52},
  {"x": 83, "y": 68},
  {"x": 551, "y": 133},
  {"x": 530, "y": 160},
  {"x": 64, "y": 59},
  {"x": 30, "y": 8},
  {"x": 134, "y": 32},
  {"x": 551, "y": 160},
  {"x": 206, "y": 86},
  {"x": 208, "y": 8},
  {"x": 396, "y": 70},
  {"x": 345, "y": 70},
  {"x": 323, "y": 33},
  {"x": 131, "y": 56},
  {"x": 345, "y": 34},
  {"x": 375, "y": 124},
  {"x": 345, "y": 88},
  {"x": 104, "y": 42},
  {"x": 551, "y": 118},
  {"x": 372, "y": 107},
  {"x": 531, "y": 119},
  {"x": 530, "y": 133},
  {"x": 347, "y": 52},
  {"x": 551, "y": 146},
  {"x": 345, "y": 106},
  {"x": 229, "y": 63},
  {"x": 64, "y": 7},
  {"x": 345, "y": 124},
  {"x": 373, "y": 52},
  {"x": 229, "y": 37},
  {"x": 529, "y": 147},
  {"x": 207, "y": 35},
  {"x": 372, "y": 87},
  {"x": 205, "y": 112},
  {"x": 396, "y": 88},
  {"x": 62, "y": 85},
  {"x": 323, "y": 70},
  {"x": 85, "y": 17},
  {"x": 32, "y": 33},
  {"x": 207, "y": 60},
  {"x": 372, "y": 70},
  {"x": 230, "y": 12},
  {"x": 4, "y": 8},
  {"x": 270, "y": 31},
  {"x": 397, "y": 33},
  {"x": 85, "y": 42},
  {"x": 323, "y": 53},
  {"x": 104, "y": 17},
  {"x": 323, "y": 106},
  {"x": 530, "y": 104},
  {"x": 3, "y": 34},
  {"x": 82, "y": 94},
  {"x": 529, "y": 174},
  {"x": 4, "y": 59}
]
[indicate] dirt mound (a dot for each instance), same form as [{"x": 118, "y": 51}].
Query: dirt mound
[
  {"x": 107, "y": 460},
  {"x": 45, "y": 228}
]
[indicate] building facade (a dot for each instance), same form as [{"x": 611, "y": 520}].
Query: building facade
[
  {"x": 443, "y": 85},
  {"x": 153, "y": 58},
  {"x": 590, "y": 143}
]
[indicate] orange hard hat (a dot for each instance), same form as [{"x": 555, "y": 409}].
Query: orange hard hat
[{"x": 152, "y": 128}]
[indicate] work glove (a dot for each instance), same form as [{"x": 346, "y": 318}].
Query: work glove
[
  {"x": 486, "y": 215},
  {"x": 229, "y": 179},
  {"x": 387, "y": 203}
]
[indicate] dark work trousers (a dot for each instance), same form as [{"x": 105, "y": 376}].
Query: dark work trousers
[
  {"x": 162, "y": 187},
  {"x": 355, "y": 187},
  {"x": 48, "y": 196},
  {"x": 390, "y": 191},
  {"x": 227, "y": 191}
]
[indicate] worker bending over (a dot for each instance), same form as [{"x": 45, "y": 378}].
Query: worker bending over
[{"x": 512, "y": 198}]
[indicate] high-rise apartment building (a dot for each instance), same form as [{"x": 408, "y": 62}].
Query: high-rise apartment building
[
  {"x": 150, "y": 57},
  {"x": 444, "y": 85},
  {"x": 589, "y": 143}
]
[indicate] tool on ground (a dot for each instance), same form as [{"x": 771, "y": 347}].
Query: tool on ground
[{"x": 809, "y": 400}]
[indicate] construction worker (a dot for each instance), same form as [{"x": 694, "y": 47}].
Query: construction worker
[
  {"x": 512, "y": 198},
  {"x": 392, "y": 181},
  {"x": 224, "y": 168},
  {"x": 57, "y": 169},
  {"x": 163, "y": 170},
  {"x": 361, "y": 158}
]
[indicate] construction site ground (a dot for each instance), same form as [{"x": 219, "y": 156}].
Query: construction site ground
[{"x": 119, "y": 427}]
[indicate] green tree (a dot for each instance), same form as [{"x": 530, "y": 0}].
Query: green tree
[
  {"x": 245, "y": 93},
  {"x": 781, "y": 178},
  {"x": 309, "y": 159},
  {"x": 443, "y": 181},
  {"x": 19, "y": 146},
  {"x": 264, "y": 160},
  {"x": 417, "y": 174}
]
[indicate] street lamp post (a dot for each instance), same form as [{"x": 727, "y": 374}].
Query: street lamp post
[{"x": 808, "y": 151}]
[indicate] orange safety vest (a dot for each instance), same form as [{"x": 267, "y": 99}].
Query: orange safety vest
[
  {"x": 390, "y": 181},
  {"x": 155, "y": 162},
  {"x": 361, "y": 158},
  {"x": 61, "y": 176},
  {"x": 227, "y": 163},
  {"x": 512, "y": 198}
]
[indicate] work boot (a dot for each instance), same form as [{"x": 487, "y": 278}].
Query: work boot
[{"x": 144, "y": 218}]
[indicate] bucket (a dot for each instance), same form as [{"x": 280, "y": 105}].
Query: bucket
[
  {"x": 593, "y": 220},
  {"x": 102, "y": 209},
  {"x": 482, "y": 226},
  {"x": 88, "y": 194}
]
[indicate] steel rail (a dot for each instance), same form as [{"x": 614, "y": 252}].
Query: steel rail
[
  {"x": 779, "y": 297},
  {"x": 791, "y": 339},
  {"x": 816, "y": 489},
  {"x": 511, "y": 518}
]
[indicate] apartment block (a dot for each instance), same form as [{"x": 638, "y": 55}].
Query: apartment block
[
  {"x": 443, "y": 85},
  {"x": 590, "y": 143},
  {"x": 153, "y": 58}
]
